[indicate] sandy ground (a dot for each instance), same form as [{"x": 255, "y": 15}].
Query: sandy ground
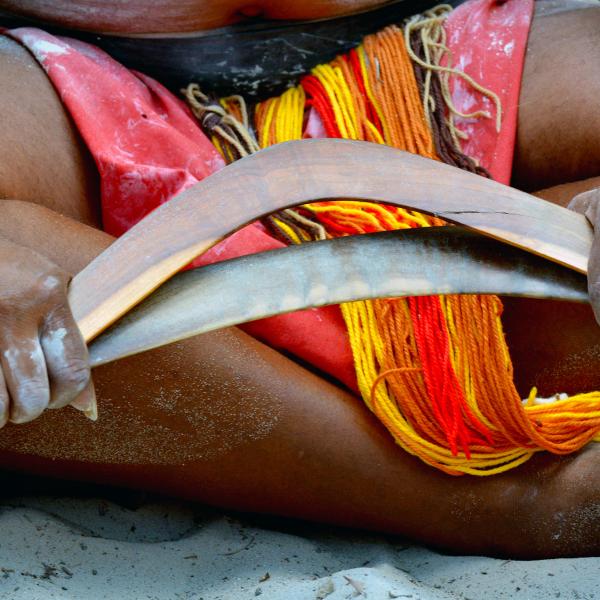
[{"x": 133, "y": 547}]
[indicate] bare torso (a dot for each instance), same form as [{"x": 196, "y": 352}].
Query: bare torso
[{"x": 140, "y": 16}]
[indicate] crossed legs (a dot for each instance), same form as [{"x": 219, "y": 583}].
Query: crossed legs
[{"x": 223, "y": 419}]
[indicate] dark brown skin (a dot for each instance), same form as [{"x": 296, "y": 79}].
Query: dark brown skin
[
  {"x": 559, "y": 129},
  {"x": 588, "y": 204},
  {"x": 141, "y": 16},
  {"x": 43, "y": 356},
  {"x": 223, "y": 419}
]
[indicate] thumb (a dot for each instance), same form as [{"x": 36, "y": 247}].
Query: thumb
[
  {"x": 586, "y": 204},
  {"x": 86, "y": 402}
]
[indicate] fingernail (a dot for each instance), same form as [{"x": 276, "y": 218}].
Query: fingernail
[{"x": 86, "y": 402}]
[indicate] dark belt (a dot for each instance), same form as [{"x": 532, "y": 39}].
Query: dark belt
[{"x": 256, "y": 58}]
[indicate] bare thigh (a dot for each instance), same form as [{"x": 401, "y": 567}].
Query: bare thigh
[
  {"x": 558, "y": 136},
  {"x": 223, "y": 419},
  {"x": 226, "y": 420}
]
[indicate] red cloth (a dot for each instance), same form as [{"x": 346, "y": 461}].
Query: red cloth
[
  {"x": 488, "y": 39},
  {"x": 148, "y": 147}
]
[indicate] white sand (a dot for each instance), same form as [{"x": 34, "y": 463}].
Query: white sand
[{"x": 62, "y": 548}]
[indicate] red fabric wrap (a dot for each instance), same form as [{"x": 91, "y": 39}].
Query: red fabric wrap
[{"x": 488, "y": 39}]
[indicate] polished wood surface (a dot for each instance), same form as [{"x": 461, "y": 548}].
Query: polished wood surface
[
  {"x": 410, "y": 262},
  {"x": 304, "y": 171}
]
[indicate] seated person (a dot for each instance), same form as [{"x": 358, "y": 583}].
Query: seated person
[{"x": 224, "y": 419}]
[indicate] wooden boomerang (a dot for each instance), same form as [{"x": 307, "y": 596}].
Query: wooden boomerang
[
  {"x": 303, "y": 171},
  {"x": 411, "y": 262}
]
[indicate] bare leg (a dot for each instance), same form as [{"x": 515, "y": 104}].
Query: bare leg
[
  {"x": 559, "y": 130},
  {"x": 223, "y": 419},
  {"x": 42, "y": 157}
]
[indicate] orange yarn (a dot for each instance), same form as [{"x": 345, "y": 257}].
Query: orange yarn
[{"x": 435, "y": 371}]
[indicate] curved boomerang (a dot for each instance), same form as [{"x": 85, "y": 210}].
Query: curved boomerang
[
  {"x": 411, "y": 262},
  {"x": 303, "y": 171}
]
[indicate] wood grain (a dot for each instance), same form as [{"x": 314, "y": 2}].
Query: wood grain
[
  {"x": 303, "y": 171},
  {"x": 413, "y": 262}
]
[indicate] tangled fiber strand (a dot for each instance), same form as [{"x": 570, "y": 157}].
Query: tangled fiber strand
[
  {"x": 429, "y": 25},
  {"x": 435, "y": 370},
  {"x": 226, "y": 122},
  {"x": 232, "y": 137},
  {"x": 447, "y": 145}
]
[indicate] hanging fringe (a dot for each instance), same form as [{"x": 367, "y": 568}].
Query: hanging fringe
[
  {"x": 435, "y": 370},
  {"x": 226, "y": 123}
]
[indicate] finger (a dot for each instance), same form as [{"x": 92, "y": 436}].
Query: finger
[
  {"x": 586, "y": 204},
  {"x": 594, "y": 276},
  {"x": 66, "y": 357},
  {"x": 4, "y": 401},
  {"x": 86, "y": 402},
  {"x": 25, "y": 377}
]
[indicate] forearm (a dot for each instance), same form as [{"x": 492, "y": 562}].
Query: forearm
[
  {"x": 69, "y": 244},
  {"x": 43, "y": 159},
  {"x": 564, "y": 193}
]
